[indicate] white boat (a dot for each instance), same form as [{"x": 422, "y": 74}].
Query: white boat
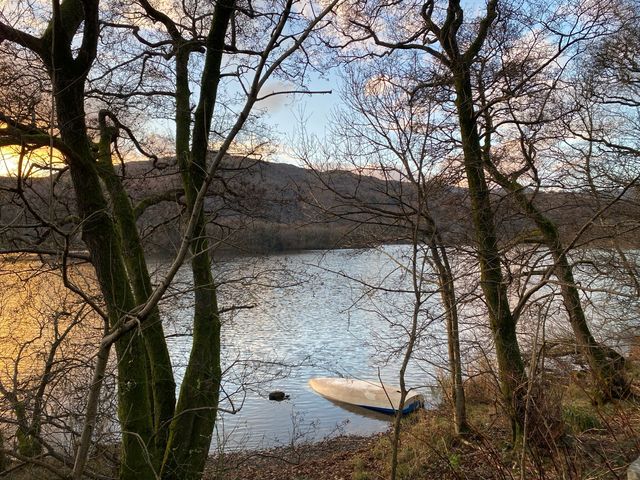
[{"x": 371, "y": 394}]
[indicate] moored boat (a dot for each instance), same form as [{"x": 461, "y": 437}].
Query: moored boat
[{"x": 371, "y": 394}]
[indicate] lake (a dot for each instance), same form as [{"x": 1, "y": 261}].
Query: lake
[
  {"x": 288, "y": 318},
  {"x": 329, "y": 319}
]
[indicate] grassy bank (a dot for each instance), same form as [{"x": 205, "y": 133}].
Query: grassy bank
[{"x": 596, "y": 444}]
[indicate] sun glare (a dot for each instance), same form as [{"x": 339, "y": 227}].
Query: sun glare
[{"x": 35, "y": 163}]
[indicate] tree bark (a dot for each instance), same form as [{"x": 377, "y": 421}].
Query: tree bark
[
  {"x": 162, "y": 387},
  {"x": 98, "y": 233},
  {"x": 503, "y": 325},
  {"x": 511, "y": 371},
  {"x": 605, "y": 363},
  {"x": 448, "y": 295},
  {"x": 68, "y": 75},
  {"x": 196, "y": 410}
]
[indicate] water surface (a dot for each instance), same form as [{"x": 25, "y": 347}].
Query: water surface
[{"x": 327, "y": 321}]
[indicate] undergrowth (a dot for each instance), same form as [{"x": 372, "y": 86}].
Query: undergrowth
[{"x": 569, "y": 437}]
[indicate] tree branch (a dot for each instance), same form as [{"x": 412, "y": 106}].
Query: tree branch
[
  {"x": 485, "y": 25},
  {"x": 23, "y": 39},
  {"x": 172, "y": 195}
]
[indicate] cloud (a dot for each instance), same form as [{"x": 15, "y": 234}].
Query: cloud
[{"x": 275, "y": 100}]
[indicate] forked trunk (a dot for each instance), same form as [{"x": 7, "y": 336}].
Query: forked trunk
[
  {"x": 162, "y": 386},
  {"x": 101, "y": 239}
]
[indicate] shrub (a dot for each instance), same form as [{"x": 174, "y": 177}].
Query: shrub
[{"x": 580, "y": 419}]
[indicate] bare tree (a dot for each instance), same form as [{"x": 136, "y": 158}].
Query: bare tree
[
  {"x": 452, "y": 48},
  {"x": 157, "y": 438},
  {"x": 529, "y": 111}
]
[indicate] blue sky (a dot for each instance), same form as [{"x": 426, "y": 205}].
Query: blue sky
[{"x": 284, "y": 114}]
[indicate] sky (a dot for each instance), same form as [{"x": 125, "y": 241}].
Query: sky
[
  {"x": 285, "y": 115},
  {"x": 9, "y": 161},
  {"x": 282, "y": 114}
]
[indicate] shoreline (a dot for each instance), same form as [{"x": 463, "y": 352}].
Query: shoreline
[{"x": 330, "y": 458}]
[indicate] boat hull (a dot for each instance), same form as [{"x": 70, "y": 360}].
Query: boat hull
[{"x": 372, "y": 395}]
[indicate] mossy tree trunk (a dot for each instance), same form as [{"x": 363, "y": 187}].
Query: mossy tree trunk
[
  {"x": 511, "y": 373},
  {"x": 162, "y": 386},
  {"x": 101, "y": 239},
  {"x": 68, "y": 65},
  {"x": 503, "y": 324},
  {"x": 196, "y": 410},
  {"x": 607, "y": 366},
  {"x": 26, "y": 435}
]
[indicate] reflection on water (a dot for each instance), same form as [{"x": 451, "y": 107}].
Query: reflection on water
[
  {"x": 288, "y": 318},
  {"x": 309, "y": 329},
  {"x": 42, "y": 323},
  {"x": 364, "y": 412},
  {"x": 36, "y": 313}
]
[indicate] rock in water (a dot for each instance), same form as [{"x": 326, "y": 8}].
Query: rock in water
[{"x": 278, "y": 396}]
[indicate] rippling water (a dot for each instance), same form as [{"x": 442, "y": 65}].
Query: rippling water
[{"x": 327, "y": 321}]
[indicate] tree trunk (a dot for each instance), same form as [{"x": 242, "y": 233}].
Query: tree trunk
[
  {"x": 605, "y": 363},
  {"x": 448, "y": 295},
  {"x": 162, "y": 387},
  {"x": 411, "y": 341},
  {"x": 512, "y": 374},
  {"x": 28, "y": 443},
  {"x": 197, "y": 408},
  {"x": 98, "y": 234}
]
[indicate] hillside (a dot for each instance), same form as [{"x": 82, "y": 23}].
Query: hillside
[{"x": 255, "y": 205}]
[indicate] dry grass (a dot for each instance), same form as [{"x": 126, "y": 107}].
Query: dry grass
[{"x": 570, "y": 438}]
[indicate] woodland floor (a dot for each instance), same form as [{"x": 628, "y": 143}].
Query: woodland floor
[
  {"x": 569, "y": 438},
  {"x": 331, "y": 459},
  {"x": 596, "y": 453}
]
